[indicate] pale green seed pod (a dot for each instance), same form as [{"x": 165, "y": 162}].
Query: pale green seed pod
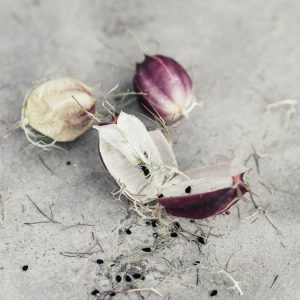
[{"x": 60, "y": 109}]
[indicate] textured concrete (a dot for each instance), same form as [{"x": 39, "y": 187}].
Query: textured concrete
[{"x": 243, "y": 55}]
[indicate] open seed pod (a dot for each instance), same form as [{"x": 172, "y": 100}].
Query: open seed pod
[{"x": 144, "y": 166}]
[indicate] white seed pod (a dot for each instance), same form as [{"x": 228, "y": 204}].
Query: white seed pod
[
  {"x": 59, "y": 109},
  {"x": 144, "y": 166}
]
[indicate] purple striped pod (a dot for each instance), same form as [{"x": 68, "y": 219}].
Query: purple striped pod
[
  {"x": 144, "y": 166},
  {"x": 201, "y": 205},
  {"x": 166, "y": 87}
]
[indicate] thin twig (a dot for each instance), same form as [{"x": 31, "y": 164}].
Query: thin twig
[
  {"x": 275, "y": 279},
  {"x": 50, "y": 219}
]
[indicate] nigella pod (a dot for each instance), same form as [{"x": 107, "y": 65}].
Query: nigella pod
[
  {"x": 203, "y": 197},
  {"x": 59, "y": 109},
  {"x": 166, "y": 87},
  {"x": 144, "y": 166}
]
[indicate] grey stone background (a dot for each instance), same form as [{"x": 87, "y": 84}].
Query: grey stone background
[{"x": 242, "y": 55}]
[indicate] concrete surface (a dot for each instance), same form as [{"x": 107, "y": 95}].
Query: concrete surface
[{"x": 243, "y": 55}]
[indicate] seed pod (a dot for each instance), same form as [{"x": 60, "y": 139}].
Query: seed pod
[
  {"x": 143, "y": 164},
  {"x": 139, "y": 160},
  {"x": 58, "y": 109},
  {"x": 212, "y": 191},
  {"x": 166, "y": 87}
]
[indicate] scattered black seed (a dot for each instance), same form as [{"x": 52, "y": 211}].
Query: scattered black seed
[
  {"x": 136, "y": 275},
  {"x": 155, "y": 234},
  {"x": 188, "y": 189},
  {"x": 147, "y": 249},
  {"x": 143, "y": 278},
  {"x": 201, "y": 240},
  {"x": 154, "y": 224},
  {"x": 176, "y": 225},
  {"x": 112, "y": 294},
  {"x": 118, "y": 278},
  {"x": 112, "y": 265},
  {"x": 99, "y": 261},
  {"x": 160, "y": 196},
  {"x": 128, "y": 278},
  {"x": 213, "y": 293},
  {"x": 227, "y": 212},
  {"x": 174, "y": 234},
  {"x": 144, "y": 169},
  {"x": 68, "y": 163},
  {"x": 128, "y": 231},
  {"x": 25, "y": 268},
  {"x": 192, "y": 221},
  {"x": 197, "y": 262},
  {"x": 147, "y": 223},
  {"x": 95, "y": 292}
]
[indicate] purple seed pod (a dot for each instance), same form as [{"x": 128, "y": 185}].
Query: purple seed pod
[
  {"x": 205, "y": 204},
  {"x": 166, "y": 87}
]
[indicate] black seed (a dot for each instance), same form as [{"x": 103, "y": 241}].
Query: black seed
[
  {"x": 136, "y": 275},
  {"x": 118, "y": 278},
  {"x": 155, "y": 234},
  {"x": 188, "y": 189},
  {"x": 99, "y": 261},
  {"x": 197, "y": 262},
  {"x": 201, "y": 240},
  {"x": 176, "y": 225},
  {"x": 192, "y": 221},
  {"x": 160, "y": 196},
  {"x": 213, "y": 293},
  {"x": 143, "y": 278},
  {"x": 144, "y": 169},
  {"x": 147, "y": 223},
  {"x": 147, "y": 249},
  {"x": 95, "y": 292},
  {"x": 127, "y": 278},
  {"x": 68, "y": 163},
  {"x": 112, "y": 294},
  {"x": 227, "y": 212},
  {"x": 128, "y": 231},
  {"x": 112, "y": 265},
  {"x": 174, "y": 234},
  {"x": 154, "y": 223},
  {"x": 25, "y": 268}
]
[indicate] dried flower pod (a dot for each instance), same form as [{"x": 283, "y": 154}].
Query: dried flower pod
[
  {"x": 205, "y": 193},
  {"x": 139, "y": 160},
  {"x": 58, "y": 109},
  {"x": 166, "y": 87},
  {"x": 144, "y": 166}
]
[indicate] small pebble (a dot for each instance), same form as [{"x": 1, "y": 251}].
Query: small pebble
[
  {"x": 95, "y": 292},
  {"x": 143, "y": 278},
  {"x": 147, "y": 249},
  {"x": 127, "y": 278},
  {"x": 99, "y": 261},
  {"x": 213, "y": 293},
  {"x": 25, "y": 268}
]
